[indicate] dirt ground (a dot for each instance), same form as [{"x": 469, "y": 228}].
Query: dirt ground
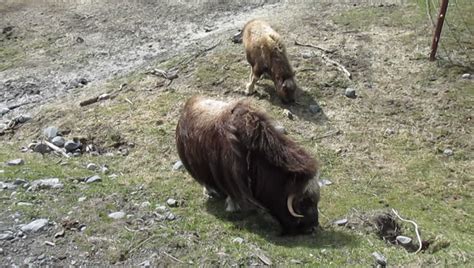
[{"x": 388, "y": 147}]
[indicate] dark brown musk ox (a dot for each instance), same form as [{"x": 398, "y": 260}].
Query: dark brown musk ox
[
  {"x": 266, "y": 54},
  {"x": 234, "y": 151}
]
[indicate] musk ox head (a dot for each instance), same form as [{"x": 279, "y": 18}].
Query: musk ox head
[{"x": 286, "y": 90}]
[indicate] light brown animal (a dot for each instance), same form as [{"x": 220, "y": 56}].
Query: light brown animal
[
  {"x": 266, "y": 54},
  {"x": 233, "y": 150}
]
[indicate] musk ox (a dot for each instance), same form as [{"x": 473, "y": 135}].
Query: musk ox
[
  {"x": 234, "y": 151},
  {"x": 266, "y": 54}
]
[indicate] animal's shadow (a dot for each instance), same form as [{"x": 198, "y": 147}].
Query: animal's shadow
[
  {"x": 265, "y": 226},
  {"x": 305, "y": 107}
]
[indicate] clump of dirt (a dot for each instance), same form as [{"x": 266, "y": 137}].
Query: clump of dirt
[{"x": 386, "y": 227}]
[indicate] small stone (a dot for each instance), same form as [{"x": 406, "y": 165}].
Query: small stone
[
  {"x": 105, "y": 169},
  {"x": 145, "y": 264},
  {"x": 178, "y": 165},
  {"x": 76, "y": 154},
  {"x": 28, "y": 260},
  {"x": 50, "y": 132},
  {"x": 41, "y": 148},
  {"x": 170, "y": 216},
  {"x": 117, "y": 215},
  {"x": 314, "y": 108},
  {"x": 59, "y": 234},
  {"x": 4, "y": 110},
  {"x": 34, "y": 226},
  {"x": 7, "y": 186},
  {"x": 172, "y": 202},
  {"x": 389, "y": 132},
  {"x": 145, "y": 204},
  {"x": 404, "y": 240},
  {"x": 19, "y": 181},
  {"x": 82, "y": 199},
  {"x": 3, "y": 126},
  {"x": 306, "y": 55},
  {"x": 161, "y": 209},
  {"x": 324, "y": 182},
  {"x": 466, "y": 76},
  {"x": 15, "y": 162},
  {"x": 380, "y": 259},
  {"x": 6, "y": 236},
  {"x": 238, "y": 240},
  {"x": 92, "y": 166},
  {"x": 95, "y": 178},
  {"x": 350, "y": 93},
  {"x": 52, "y": 183},
  {"x": 71, "y": 145},
  {"x": 288, "y": 114},
  {"x": 58, "y": 141},
  {"x": 22, "y": 119},
  {"x": 42, "y": 256},
  {"x": 341, "y": 222},
  {"x": 448, "y": 152}
]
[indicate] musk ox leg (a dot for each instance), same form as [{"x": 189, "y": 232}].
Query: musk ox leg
[
  {"x": 253, "y": 80},
  {"x": 230, "y": 205}
]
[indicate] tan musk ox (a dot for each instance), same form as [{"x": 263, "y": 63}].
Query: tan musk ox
[
  {"x": 266, "y": 54},
  {"x": 234, "y": 151}
]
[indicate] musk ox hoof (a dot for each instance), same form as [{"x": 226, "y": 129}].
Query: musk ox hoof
[{"x": 231, "y": 206}]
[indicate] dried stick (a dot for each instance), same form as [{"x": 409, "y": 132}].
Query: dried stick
[
  {"x": 173, "y": 258},
  {"x": 56, "y": 148},
  {"x": 416, "y": 230},
  {"x": 313, "y": 46}
]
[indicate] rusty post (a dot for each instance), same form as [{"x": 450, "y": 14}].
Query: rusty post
[{"x": 439, "y": 27}]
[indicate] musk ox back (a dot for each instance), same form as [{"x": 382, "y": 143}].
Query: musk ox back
[
  {"x": 266, "y": 54},
  {"x": 234, "y": 151}
]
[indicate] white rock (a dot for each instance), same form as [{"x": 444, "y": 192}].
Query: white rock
[
  {"x": 15, "y": 162},
  {"x": 341, "y": 222},
  {"x": 448, "y": 152},
  {"x": 95, "y": 178},
  {"x": 379, "y": 258},
  {"x": 145, "y": 204},
  {"x": 117, "y": 215},
  {"x": 50, "y": 132},
  {"x": 161, "y": 209},
  {"x": 350, "y": 93},
  {"x": 6, "y": 236},
  {"x": 466, "y": 76},
  {"x": 178, "y": 165},
  {"x": 403, "y": 240},
  {"x": 172, "y": 202},
  {"x": 34, "y": 226},
  {"x": 238, "y": 240},
  {"x": 92, "y": 166},
  {"x": 52, "y": 183},
  {"x": 58, "y": 141},
  {"x": 82, "y": 199}
]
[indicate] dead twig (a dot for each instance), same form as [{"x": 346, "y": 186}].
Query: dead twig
[
  {"x": 101, "y": 97},
  {"x": 329, "y": 134},
  {"x": 313, "y": 46},
  {"x": 56, "y": 148},
  {"x": 416, "y": 230},
  {"x": 202, "y": 51},
  {"x": 172, "y": 257}
]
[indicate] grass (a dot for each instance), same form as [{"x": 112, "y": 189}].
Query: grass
[{"x": 370, "y": 170}]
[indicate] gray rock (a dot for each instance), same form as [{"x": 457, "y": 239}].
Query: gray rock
[
  {"x": 6, "y": 236},
  {"x": 117, "y": 215},
  {"x": 145, "y": 264},
  {"x": 22, "y": 119},
  {"x": 172, "y": 202},
  {"x": 306, "y": 54},
  {"x": 145, "y": 204},
  {"x": 314, "y": 108},
  {"x": 52, "y": 183},
  {"x": 280, "y": 129},
  {"x": 92, "y": 166},
  {"x": 19, "y": 181},
  {"x": 324, "y": 182},
  {"x": 82, "y": 199},
  {"x": 389, "y": 132},
  {"x": 341, "y": 222},
  {"x": 288, "y": 114},
  {"x": 40, "y": 257},
  {"x": 15, "y": 162},
  {"x": 404, "y": 240},
  {"x": 238, "y": 240},
  {"x": 161, "y": 209},
  {"x": 95, "y": 178},
  {"x": 41, "y": 148},
  {"x": 34, "y": 226},
  {"x": 380, "y": 259},
  {"x": 71, "y": 145},
  {"x": 4, "y": 110},
  {"x": 178, "y": 165},
  {"x": 466, "y": 76},
  {"x": 50, "y": 132},
  {"x": 448, "y": 152},
  {"x": 28, "y": 260},
  {"x": 170, "y": 216},
  {"x": 105, "y": 169},
  {"x": 76, "y": 154},
  {"x": 8, "y": 186},
  {"x": 58, "y": 141},
  {"x": 350, "y": 93}
]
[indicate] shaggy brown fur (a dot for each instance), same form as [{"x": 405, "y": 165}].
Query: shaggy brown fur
[
  {"x": 266, "y": 54},
  {"x": 234, "y": 150}
]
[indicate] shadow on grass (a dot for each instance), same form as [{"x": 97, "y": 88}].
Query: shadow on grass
[{"x": 267, "y": 227}]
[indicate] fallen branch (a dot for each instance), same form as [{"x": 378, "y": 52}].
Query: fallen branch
[
  {"x": 313, "y": 46},
  {"x": 101, "y": 97},
  {"x": 327, "y": 59},
  {"x": 169, "y": 75},
  {"x": 197, "y": 55},
  {"x": 416, "y": 230},
  {"x": 56, "y": 148},
  {"x": 329, "y": 134},
  {"x": 172, "y": 257}
]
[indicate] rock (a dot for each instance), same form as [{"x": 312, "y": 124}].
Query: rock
[
  {"x": 4, "y": 110},
  {"x": 117, "y": 215},
  {"x": 95, "y": 178},
  {"x": 324, "y": 182},
  {"x": 22, "y": 119},
  {"x": 52, "y": 183},
  {"x": 145, "y": 204},
  {"x": 314, "y": 108},
  {"x": 238, "y": 240},
  {"x": 448, "y": 152},
  {"x": 466, "y": 76},
  {"x": 92, "y": 166},
  {"x": 172, "y": 202},
  {"x": 82, "y": 199},
  {"x": 41, "y": 148},
  {"x": 34, "y": 226},
  {"x": 8, "y": 186},
  {"x": 341, "y": 222},
  {"x": 306, "y": 54},
  {"x": 145, "y": 264},
  {"x": 288, "y": 114},
  {"x": 19, "y": 181},
  {"x": 105, "y": 169},
  {"x": 350, "y": 93},
  {"x": 3, "y": 126},
  {"x": 24, "y": 204},
  {"x": 40, "y": 257},
  {"x": 161, "y": 209},
  {"x": 1, "y": 251},
  {"x": 389, "y": 132},
  {"x": 71, "y": 145},
  {"x": 50, "y": 132},
  {"x": 380, "y": 259},
  {"x": 178, "y": 165},
  {"x": 404, "y": 240},
  {"x": 170, "y": 216},
  {"x": 6, "y": 236},
  {"x": 15, "y": 162},
  {"x": 76, "y": 154},
  {"x": 58, "y": 141}
]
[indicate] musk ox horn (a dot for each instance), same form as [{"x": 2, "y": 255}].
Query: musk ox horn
[{"x": 289, "y": 203}]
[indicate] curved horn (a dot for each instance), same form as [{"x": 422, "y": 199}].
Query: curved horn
[{"x": 289, "y": 204}]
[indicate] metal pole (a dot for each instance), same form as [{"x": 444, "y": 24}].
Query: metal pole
[{"x": 439, "y": 27}]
